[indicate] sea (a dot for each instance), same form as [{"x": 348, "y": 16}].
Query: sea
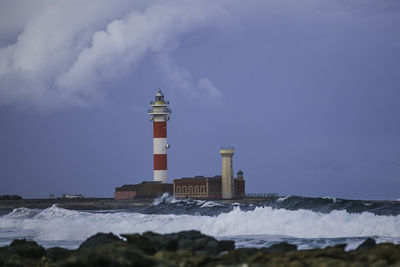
[{"x": 306, "y": 222}]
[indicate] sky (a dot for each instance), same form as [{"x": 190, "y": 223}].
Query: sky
[{"x": 307, "y": 92}]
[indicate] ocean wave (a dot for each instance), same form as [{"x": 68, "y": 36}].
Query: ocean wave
[
  {"x": 166, "y": 198},
  {"x": 282, "y": 198},
  {"x": 209, "y": 204},
  {"x": 60, "y": 224},
  {"x": 329, "y": 204},
  {"x": 170, "y": 205},
  {"x": 22, "y": 213}
]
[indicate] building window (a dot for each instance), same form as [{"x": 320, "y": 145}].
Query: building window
[
  {"x": 212, "y": 189},
  {"x": 202, "y": 189},
  {"x": 184, "y": 189},
  {"x": 196, "y": 190},
  {"x": 190, "y": 190},
  {"x": 178, "y": 189}
]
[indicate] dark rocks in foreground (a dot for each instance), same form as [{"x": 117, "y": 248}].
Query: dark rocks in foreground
[{"x": 191, "y": 248}]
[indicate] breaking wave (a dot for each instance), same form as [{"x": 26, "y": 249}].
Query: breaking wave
[
  {"x": 329, "y": 204},
  {"x": 56, "y": 223},
  {"x": 169, "y": 205}
]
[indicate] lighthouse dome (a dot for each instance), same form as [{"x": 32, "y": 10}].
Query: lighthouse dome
[{"x": 159, "y": 96}]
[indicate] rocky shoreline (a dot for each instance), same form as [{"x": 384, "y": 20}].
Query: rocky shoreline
[{"x": 191, "y": 248}]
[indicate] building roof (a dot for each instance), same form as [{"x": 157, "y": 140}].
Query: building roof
[
  {"x": 198, "y": 178},
  {"x": 143, "y": 185}
]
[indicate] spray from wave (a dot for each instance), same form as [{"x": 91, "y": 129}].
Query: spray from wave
[{"x": 55, "y": 223}]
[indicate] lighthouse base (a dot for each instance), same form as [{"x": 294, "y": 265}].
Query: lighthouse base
[{"x": 160, "y": 176}]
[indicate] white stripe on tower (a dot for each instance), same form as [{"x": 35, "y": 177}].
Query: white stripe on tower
[{"x": 159, "y": 145}]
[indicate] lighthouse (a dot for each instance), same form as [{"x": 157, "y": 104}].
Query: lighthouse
[{"x": 159, "y": 114}]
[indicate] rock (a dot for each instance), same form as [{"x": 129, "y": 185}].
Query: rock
[
  {"x": 201, "y": 243},
  {"x": 180, "y": 257},
  {"x": 282, "y": 247},
  {"x": 212, "y": 246},
  {"x": 161, "y": 242},
  {"x": 367, "y": 244},
  {"x": 193, "y": 241},
  {"x": 26, "y": 249},
  {"x": 98, "y": 240},
  {"x": 189, "y": 248},
  {"x": 118, "y": 254},
  {"x": 340, "y": 246},
  {"x": 236, "y": 256},
  {"x": 186, "y": 244},
  {"x": 139, "y": 241},
  {"x": 225, "y": 245},
  {"x": 192, "y": 234},
  {"x": 57, "y": 253}
]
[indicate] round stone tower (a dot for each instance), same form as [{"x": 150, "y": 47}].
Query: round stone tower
[{"x": 227, "y": 189}]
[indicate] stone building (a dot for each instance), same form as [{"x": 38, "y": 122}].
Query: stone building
[
  {"x": 200, "y": 187},
  {"x": 143, "y": 190}
]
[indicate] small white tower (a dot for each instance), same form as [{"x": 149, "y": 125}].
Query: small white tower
[
  {"x": 160, "y": 115},
  {"x": 227, "y": 172}
]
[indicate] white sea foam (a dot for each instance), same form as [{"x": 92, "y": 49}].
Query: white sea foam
[
  {"x": 164, "y": 198},
  {"x": 283, "y": 198},
  {"x": 21, "y": 213},
  {"x": 209, "y": 204},
  {"x": 59, "y": 224}
]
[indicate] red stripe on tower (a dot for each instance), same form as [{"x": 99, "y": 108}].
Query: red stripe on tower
[
  {"x": 160, "y": 129},
  {"x": 160, "y": 161}
]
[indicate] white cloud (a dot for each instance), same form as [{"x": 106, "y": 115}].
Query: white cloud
[{"x": 68, "y": 49}]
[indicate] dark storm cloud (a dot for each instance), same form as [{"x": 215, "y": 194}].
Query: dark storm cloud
[{"x": 62, "y": 53}]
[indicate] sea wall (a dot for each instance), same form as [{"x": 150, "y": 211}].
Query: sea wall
[
  {"x": 97, "y": 203},
  {"x": 75, "y": 204}
]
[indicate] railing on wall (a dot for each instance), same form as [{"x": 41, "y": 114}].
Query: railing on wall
[
  {"x": 154, "y": 102},
  {"x": 164, "y": 111}
]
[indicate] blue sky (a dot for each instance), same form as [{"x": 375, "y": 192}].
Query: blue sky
[{"x": 307, "y": 92}]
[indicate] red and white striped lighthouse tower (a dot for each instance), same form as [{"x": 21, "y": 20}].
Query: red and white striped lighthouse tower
[{"x": 160, "y": 115}]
